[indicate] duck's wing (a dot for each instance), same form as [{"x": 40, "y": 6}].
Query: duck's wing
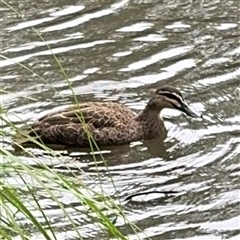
[{"x": 99, "y": 114}]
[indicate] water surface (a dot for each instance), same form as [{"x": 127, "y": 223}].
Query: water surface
[{"x": 118, "y": 51}]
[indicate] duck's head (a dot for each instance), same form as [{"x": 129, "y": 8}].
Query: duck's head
[{"x": 170, "y": 97}]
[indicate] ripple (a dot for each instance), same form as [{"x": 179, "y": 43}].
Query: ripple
[
  {"x": 178, "y": 25},
  {"x": 137, "y": 27},
  {"x": 220, "y": 78},
  {"x": 157, "y": 57},
  {"x": 33, "y": 23},
  {"x": 118, "y": 51},
  {"x": 226, "y": 26},
  {"x": 78, "y": 21},
  {"x": 52, "y": 51},
  {"x": 67, "y": 10},
  {"x": 33, "y": 45},
  {"x": 85, "y": 18},
  {"x": 151, "y": 38}
]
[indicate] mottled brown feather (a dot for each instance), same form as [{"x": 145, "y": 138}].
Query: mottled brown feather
[{"x": 107, "y": 122}]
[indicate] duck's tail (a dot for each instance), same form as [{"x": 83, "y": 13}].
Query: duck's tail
[{"x": 27, "y": 134}]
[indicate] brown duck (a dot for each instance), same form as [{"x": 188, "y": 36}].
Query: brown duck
[{"x": 108, "y": 123}]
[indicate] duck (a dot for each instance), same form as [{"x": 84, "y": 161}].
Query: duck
[{"x": 108, "y": 123}]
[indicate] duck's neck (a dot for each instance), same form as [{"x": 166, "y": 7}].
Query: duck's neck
[
  {"x": 151, "y": 122},
  {"x": 148, "y": 115}
]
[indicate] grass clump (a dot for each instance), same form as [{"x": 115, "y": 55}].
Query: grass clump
[
  {"x": 25, "y": 187},
  {"x": 22, "y": 211}
]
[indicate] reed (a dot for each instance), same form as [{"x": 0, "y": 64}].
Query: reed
[{"x": 22, "y": 212}]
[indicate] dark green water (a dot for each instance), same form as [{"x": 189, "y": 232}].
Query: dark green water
[{"x": 118, "y": 50}]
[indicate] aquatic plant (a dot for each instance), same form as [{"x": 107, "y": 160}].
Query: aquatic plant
[{"x": 22, "y": 212}]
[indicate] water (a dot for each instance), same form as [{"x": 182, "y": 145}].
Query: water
[{"x": 119, "y": 50}]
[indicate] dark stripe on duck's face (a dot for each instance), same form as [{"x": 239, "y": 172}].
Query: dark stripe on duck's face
[{"x": 172, "y": 96}]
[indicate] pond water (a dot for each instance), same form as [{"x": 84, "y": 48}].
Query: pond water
[{"x": 119, "y": 50}]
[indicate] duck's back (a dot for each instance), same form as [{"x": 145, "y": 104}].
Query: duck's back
[{"x": 101, "y": 113}]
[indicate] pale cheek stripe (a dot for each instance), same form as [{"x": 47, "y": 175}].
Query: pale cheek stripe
[{"x": 174, "y": 102}]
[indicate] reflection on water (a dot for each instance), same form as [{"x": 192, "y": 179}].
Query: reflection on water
[{"x": 119, "y": 50}]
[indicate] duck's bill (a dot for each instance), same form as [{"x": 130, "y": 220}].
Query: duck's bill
[{"x": 186, "y": 109}]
